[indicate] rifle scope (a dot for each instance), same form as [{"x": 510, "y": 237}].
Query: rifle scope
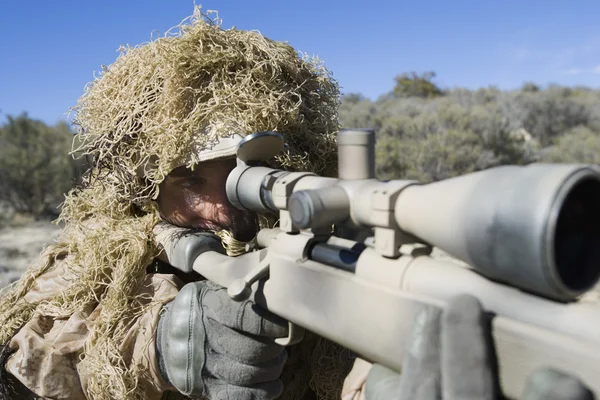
[{"x": 535, "y": 227}]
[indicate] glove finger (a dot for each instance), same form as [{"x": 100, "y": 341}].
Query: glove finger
[
  {"x": 382, "y": 384},
  {"x": 235, "y": 373},
  {"x": 550, "y": 384},
  {"x": 467, "y": 361},
  {"x": 421, "y": 375},
  {"x": 219, "y": 390},
  {"x": 241, "y": 315},
  {"x": 240, "y": 346}
]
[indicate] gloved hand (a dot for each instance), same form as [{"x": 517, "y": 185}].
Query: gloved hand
[
  {"x": 209, "y": 345},
  {"x": 449, "y": 357}
]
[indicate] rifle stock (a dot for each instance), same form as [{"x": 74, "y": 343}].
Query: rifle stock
[{"x": 371, "y": 311}]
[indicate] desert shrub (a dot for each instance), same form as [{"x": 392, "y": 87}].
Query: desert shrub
[
  {"x": 432, "y": 137},
  {"x": 35, "y": 167},
  {"x": 360, "y": 114},
  {"x": 6, "y": 214},
  {"x": 552, "y": 112},
  {"x": 438, "y": 156},
  {"x": 530, "y": 87},
  {"x": 578, "y": 145},
  {"x": 412, "y": 84}
]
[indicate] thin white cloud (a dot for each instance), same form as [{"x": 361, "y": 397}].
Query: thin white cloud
[
  {"x": 573, "y": 71},
  {"x": 582, "y": 71},
  {"x": 527, "y": 51}
]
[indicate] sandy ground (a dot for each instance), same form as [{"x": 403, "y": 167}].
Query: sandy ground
[{"x": 20, "y": 245}]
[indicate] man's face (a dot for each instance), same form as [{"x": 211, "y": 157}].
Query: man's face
[{"x": 197, "y": 199}]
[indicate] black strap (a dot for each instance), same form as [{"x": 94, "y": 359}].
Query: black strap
[{"x": 161, "y": 267}]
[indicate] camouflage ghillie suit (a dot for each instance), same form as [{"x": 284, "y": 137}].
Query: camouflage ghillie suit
[{"x": 80, "y": 323}]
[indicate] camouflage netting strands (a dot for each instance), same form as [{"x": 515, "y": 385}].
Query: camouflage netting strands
[
  {"x": 160, "y": 102},
  {"x": 152, "y": 110}
]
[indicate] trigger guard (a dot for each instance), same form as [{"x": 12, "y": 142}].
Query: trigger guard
[{"x": 295, "y": 335}]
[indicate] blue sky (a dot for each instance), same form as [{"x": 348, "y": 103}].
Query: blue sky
[{"x": 50, "y": 49}]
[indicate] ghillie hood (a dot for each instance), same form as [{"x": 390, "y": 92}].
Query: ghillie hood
[{"x": 160, "y": 105}]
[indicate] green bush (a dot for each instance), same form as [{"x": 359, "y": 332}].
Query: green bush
[
  {"x": 35, "y": 168},
  {"x": 437, "y": 156},
  {"x": 578, "y": 145},
  {"x": 416, "y": 85},
  {"x": 434, "y": 137}
]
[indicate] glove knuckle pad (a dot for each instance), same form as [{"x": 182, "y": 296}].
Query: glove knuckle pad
[{"x": 240, "y": 374}]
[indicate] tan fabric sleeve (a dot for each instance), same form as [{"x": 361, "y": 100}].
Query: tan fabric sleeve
[
  {"x": 354, "y": 383},
  {"x": 140, "y": 342},
  {"x": 47, "y": 350}
]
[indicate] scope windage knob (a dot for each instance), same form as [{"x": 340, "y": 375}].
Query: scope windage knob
[{"x": 319, "y": 208}]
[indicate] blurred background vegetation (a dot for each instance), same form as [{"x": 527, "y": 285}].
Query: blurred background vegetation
[
  {"x": 35, "y": 168},
  {"x": 424, "y": 132},
  {"x": 429, "y": 133}
]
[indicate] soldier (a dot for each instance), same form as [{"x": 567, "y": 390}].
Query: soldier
[
  {"x": 101, "y": 316},
  {"x": 97, "y": 316}
]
